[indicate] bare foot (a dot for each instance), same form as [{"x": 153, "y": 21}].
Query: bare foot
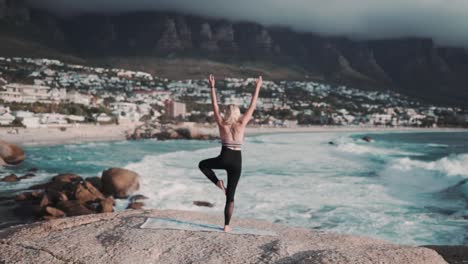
[
  {"x": 227, "y": 228},
  {"x": 220, "y": 184}
]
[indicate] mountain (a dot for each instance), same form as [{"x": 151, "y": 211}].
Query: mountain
[{"x": 182, "y": 46}]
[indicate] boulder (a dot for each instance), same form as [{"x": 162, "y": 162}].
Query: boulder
[
  {"x": 45, "y": 201},
  {"x": 35, "y": 195},
  {"x": 106, "y": 205},
  {"x": 73, "y": 208},
  {"x": 11, "y": 154},
  {"x": 137, "y": 197},
  {"x": 119, "y": 182},
  {"x": 23, "y": 196},
  {"x": 203, "y": 203},
  {"x": 10, "y": 178},
  {"x": 67, "y": 177},
  {"x": 52, "y": 211},
  {"x": 27, "y": 176},
  {"x": 85, "y": 192},
  {"x": 135, "y": 205},
  {"x": 96, "y": 182},
  {"x": 61, "y": 196}
]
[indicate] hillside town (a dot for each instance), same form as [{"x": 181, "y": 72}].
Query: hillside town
[{"x": 44, "y": 92}]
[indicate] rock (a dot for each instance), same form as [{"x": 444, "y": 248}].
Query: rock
[
  {"x": 96, "y": 182},
  {"x": 10, "y": 153},
  {"x": 203, "y": 203},
  {"x": 10, "y": 178},
  {"x": 73, "y": 208},
  {"x": 184, "y": 133},
  {"x": 37, "y": 194},
  {"x": 367, "y": 139},
  {"x": 29, "y": 196},
  {"x": 23, "y": 196},
  {"x": 52, "y": 211},
  {"x": 452, "y": 254},
  {"x": 119, "y": 182},
  {"x": 106, "y": 205},
  {"x": 62, "y": 196},
  {"x": 137, "y": 197},
  {"x": 45, "y": 201},
  {"x": 85, "y": 192},
  {"x": 27, "y": 176},
  {"x": 135, "y": 205},
  {"x": 67, "y": 177},
  {"x": 169, "y": 40},
  {"x": 117, "y": 238}
]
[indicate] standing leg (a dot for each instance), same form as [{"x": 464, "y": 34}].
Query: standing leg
[{"x": 233, "y": 179}]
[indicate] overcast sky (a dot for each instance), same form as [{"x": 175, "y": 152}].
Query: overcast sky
[{"x": 446, "y": 21}]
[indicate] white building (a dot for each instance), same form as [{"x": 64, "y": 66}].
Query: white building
[
  {"x": 78, "y": 98},
  {"x": 23, "y": 93},
  {"x": 6, "y": 119}
]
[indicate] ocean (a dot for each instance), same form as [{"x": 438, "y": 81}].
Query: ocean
[{"x": 406, "y": 188}]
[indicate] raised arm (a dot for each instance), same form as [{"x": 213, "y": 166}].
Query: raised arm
[
  {"x": 248, "y": 114},
  {"x": 214, "y": 101}
]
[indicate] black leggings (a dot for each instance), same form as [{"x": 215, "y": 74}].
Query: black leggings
[{"x": 231, "y": 161}]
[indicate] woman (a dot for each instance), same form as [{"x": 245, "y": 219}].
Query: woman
[{"x": 231, "y": 131}]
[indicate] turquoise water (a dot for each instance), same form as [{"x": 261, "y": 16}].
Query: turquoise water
[{"x": 405, "y": 188}]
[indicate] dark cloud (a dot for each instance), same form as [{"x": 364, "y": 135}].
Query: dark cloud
[{"x": 446, "y": 21}]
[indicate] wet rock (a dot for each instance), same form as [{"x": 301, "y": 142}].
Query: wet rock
[
  {"x": 203, "y": 203},
  {"x": 96, "y": 182},
  {"x": 73, "y": 208},
  {"x": 11, "y": 154},
  {"x": 106, "y": 205},
  {"x": 137, "y": 197},
  {"x": 52, "y": 211},
  {"x": 119, "y": 182},
  {"x": 135, "y": 205},
  {"x": 27, "y": 176},
  {"x": 10, "y": 178},
  {"x": 67, "y": 177},
  {"x": 85, "y": 192}
]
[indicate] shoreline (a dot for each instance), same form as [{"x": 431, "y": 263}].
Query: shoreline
[{"x": 106, "y": 133}]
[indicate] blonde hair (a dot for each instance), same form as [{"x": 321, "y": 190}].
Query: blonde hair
[{"x": 231, "y": 114}]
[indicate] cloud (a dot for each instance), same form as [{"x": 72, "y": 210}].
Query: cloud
[{"x": 446, "y": 21}]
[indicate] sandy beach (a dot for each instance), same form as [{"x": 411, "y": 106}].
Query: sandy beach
[{"x": 96, "y": 133}]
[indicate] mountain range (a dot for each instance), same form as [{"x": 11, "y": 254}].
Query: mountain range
[{"x": 180, "y": 46}]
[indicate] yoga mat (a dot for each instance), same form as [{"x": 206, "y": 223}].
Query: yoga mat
[{"x": 171, "y": 223}]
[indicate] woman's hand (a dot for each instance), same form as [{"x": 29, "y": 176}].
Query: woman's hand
[
  {"x": 259, "y": 82},
  {"x": 212, "y": 81}
]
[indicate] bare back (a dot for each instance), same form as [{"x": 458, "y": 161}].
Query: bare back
[{"x": 232, "y": 133}]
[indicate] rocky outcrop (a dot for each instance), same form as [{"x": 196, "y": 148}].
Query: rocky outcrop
[
  {"x": 119, "y": 182},
  {"x": 207, "y": 41},
  {"x": 414, "y": 66},
  {"x": 169, "y": 40},
  {"x": 11, "y": 154},
  {"x": 185, "y": 34},
  {"x": 3, "y": 9},
  {"x": 225, "y": 38},
  {"x": 117, "y": 238}
]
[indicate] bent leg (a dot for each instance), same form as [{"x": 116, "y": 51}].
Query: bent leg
[
  {"x": 207, "y": 166},
  {"x": 233, "y": 179}
]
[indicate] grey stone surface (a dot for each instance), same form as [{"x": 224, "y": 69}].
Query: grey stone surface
[{"x": 117, "y": 238}]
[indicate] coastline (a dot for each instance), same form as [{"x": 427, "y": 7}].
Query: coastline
[{"x": 104, "y": 133}]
